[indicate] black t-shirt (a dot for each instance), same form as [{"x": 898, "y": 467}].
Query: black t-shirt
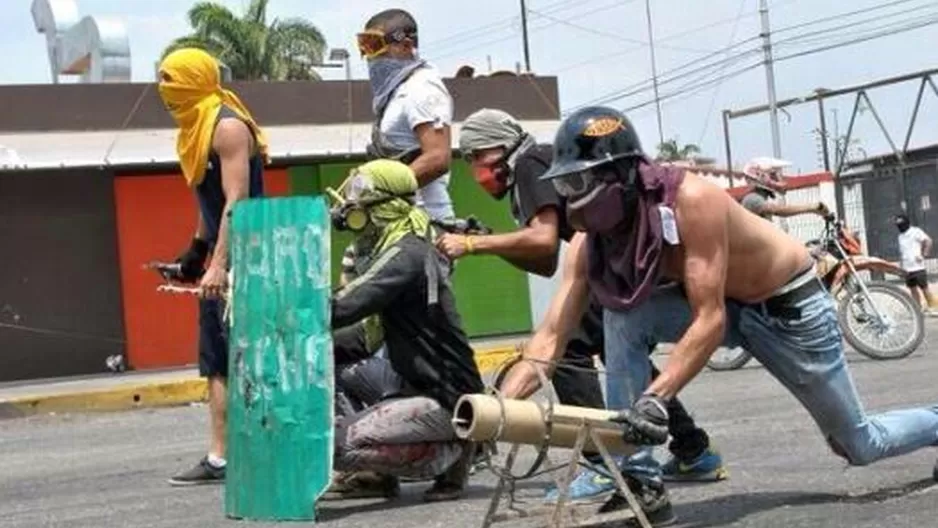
[{"x": 530, "y": 194}]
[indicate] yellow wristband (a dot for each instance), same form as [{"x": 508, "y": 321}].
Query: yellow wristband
[{"x": 468, "y": 243}]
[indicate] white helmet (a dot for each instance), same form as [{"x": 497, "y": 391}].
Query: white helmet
[{"x": 766, "y": 173}]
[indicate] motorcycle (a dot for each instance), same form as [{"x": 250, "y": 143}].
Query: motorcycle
[{"x": 867, "y": 326}]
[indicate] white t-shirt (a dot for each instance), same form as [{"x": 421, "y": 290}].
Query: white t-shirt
[
  {"x": 423, "y": 98},
  {"x": 910, "y": 249}
]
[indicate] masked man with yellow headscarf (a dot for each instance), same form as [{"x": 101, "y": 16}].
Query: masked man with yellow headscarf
[
  {"x": 222, "y": 152},
  {"x": 403, "y": 280}
]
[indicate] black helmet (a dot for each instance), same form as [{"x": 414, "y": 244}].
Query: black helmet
[{"x": 590, "y": 137}]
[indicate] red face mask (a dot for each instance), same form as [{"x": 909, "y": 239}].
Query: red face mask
[{"x": 490, "y": 178}]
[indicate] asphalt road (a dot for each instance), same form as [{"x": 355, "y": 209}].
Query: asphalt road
[{"x": 110, "y": 470}]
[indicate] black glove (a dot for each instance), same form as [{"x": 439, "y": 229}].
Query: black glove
[
  {"x": 192, "y": 262},
  {"x": 646, "y": 423}
]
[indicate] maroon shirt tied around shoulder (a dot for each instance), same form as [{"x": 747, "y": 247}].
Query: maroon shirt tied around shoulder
[{"x": 624, "y": 262}]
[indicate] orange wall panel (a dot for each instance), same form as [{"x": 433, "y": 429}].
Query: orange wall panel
[{"x": 156, "y": 215}]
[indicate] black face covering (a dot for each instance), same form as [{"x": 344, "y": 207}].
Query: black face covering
[{"x": 903, "y": 224}]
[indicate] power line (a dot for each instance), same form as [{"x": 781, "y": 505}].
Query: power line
[
  {"x": 644, "y": 86},
  {"x": 534, "y": 30},
  {"x": 697, "y": 61},
  {"x": 607, "y": 56},
  {"x": 824, "y": 39},
  {"x": 636, "y": 87},
  {"x": 693, "y": 88},
  {"x": 716, "y": 92},
  {"x": 850, "y": 42},
  {"x": 505, "y": 23},
  {"x": 828, "y": 30},
  {"x": 841, "y": 15},
  {"x": 594, "y": 31}
]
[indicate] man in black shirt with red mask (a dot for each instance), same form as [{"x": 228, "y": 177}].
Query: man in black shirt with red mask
[{"x": 506, "y": 161}]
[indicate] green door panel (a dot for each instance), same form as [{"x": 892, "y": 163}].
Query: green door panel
[{"x": 492, "y": 296}]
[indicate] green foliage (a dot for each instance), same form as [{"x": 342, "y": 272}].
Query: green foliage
[
  {"x": 284, "y": 50},
  {"x": 671, "y": 150}
]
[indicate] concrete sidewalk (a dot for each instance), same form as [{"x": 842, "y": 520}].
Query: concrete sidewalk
[{"x": 131, "y": 390}]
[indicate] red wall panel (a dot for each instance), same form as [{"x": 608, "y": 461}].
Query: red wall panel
[{"x": 156, "y": 215}]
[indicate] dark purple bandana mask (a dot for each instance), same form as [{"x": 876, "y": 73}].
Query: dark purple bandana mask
[{"x": 624, "y": 234}]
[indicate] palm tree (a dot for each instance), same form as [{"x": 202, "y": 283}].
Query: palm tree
[
  {"x": 671, "y": 150},
  {"x": 284, "y": 50}
]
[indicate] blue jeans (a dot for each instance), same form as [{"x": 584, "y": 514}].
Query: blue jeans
[{"x": 806, "y": 355}]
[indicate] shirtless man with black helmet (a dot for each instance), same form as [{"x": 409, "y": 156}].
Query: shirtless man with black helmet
[{"x": 644, "y": 222}]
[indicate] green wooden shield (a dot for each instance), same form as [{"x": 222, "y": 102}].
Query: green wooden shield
[{"x": 280, "y": 393}]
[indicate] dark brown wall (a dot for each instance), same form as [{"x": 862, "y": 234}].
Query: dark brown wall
[
  {"x": 59, "y": 274},
  {"x": 108, "y": 106}
]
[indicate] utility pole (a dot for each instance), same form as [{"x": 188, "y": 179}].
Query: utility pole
[
  {"x": 654, "y": 69},
  {"x": 836, "y": 138},
  {"x": 524, "y": 33},
  {"x": 770, "y": 76}
]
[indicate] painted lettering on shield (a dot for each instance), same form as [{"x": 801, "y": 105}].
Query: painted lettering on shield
[{"x": 280, "y": 406}]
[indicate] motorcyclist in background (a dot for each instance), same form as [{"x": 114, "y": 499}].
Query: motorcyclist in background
[{"x": 766, "y": 176}]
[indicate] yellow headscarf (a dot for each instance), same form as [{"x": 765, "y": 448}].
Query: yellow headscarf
[
  {"x": 397, "y": 217},
  {"x": 193, "y": 95}
]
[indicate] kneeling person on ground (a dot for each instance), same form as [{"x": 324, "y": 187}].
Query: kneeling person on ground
[{"x": 403, "y": 281}]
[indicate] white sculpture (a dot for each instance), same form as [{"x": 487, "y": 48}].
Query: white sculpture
[{"x": 96, "y": 48}]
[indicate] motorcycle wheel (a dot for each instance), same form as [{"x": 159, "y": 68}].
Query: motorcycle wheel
[
  {"x": 903, "y": 325},
  {"x": 729, "y": 359}
]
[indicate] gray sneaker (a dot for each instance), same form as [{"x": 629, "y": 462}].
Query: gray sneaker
[{"x": 202, "y": 473}]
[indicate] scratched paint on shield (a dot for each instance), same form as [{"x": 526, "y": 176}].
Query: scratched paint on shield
[{"x": 280, "y": 410}]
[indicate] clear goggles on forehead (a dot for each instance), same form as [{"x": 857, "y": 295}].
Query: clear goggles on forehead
[
  {"x": 360, "y": 189},
  {"x": 574, "y": 183},
  {"x": 356, "y": 186}
]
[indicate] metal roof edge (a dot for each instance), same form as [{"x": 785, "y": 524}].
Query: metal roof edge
[{"x": 296, "y": 151}]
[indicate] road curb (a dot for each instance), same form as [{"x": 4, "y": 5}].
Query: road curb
[
  {"x": 164, "y": 393},
  {"x": 119, "y": 398}
]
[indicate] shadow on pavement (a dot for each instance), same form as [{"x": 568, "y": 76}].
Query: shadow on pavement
[
  {"x": 412, "y": 496},
  {"x": 728, "y": 510}
]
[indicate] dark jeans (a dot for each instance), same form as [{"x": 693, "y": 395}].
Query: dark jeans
[{"x": 581, "y": 388}]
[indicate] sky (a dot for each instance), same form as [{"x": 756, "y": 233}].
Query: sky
[{"x": 599, "y": 48}]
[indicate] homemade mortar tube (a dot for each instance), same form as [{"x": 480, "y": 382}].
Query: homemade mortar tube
[{"x": 478, "y": 417}]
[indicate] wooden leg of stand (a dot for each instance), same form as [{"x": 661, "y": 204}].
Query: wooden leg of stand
[
  {"x": 556, "y": 520},
  {"x": 620, "y": 482},
  {"x": 500, "y": 487}
]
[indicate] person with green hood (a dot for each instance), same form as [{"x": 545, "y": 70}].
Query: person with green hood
[{"x": 403, "y": 281}]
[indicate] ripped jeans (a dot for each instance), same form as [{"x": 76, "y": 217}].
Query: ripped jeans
[
  {"x": 805, "y": 355},
  {"x": 405, "y": 437}
]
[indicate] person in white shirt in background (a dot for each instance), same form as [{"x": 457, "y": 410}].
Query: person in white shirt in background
[
  {"x": 914, "y": 246},
  {"x": 413, "y": 109}
]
